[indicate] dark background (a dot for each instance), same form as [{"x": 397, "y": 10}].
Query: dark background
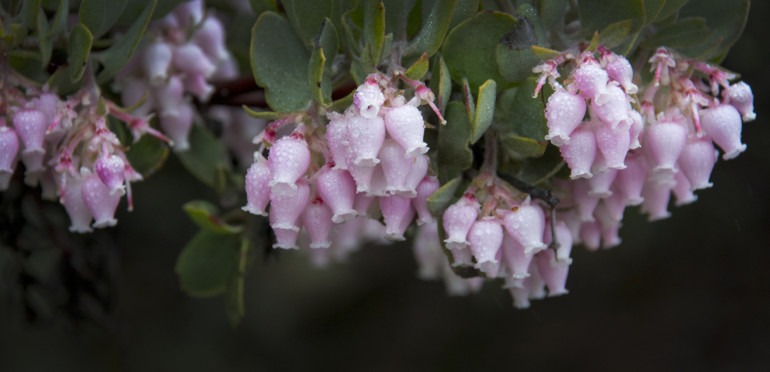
[{"x": 688, "y": 293}]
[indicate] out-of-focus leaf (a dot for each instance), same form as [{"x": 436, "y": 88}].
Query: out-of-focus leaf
[
  {"x": 685, "y": 33},
  {"x": 536, "y": 170},
  {"x": 454, "y": 155},
  {"x": 552, "y": 13},
  {"x": 514, "y": 54},
  {"x": 207, "y": 264},
  {"x": 78, "y": 48},
  {"x": 205, "y": 215},
  {"x": 206, "y": 159},
  {"x": 519, "y": 147},
  {"x": 433, "y": 30},
  {"x": 725, "y": 18},
  {"x": 470, "y": 48},
  {"x": 306, "y": 17},
  {"x": 261, "y": 6},
  {"x": 658, "y": 10},
  {"x": 485, "y": 110},
  {"x": 441, "y": 82},
  {"x": 147, "y": 155},
  {"x": 397, "y": 17},
  {"x": 352, "y": 30},
  {"x": 59, "y": 19},
  {"x": 319, "y": 68},
  {"x": 595, "y": 15},
  {"x": 526, "y": 116},
  {"x": 418, "y": 69},
  {"x": 544, "y": 53},
  {"x": 43, "y": 38},
  {"x": 442, "y": 198},
  {"x": 100, "y": 15},
  {"x": 464, "y": 10},
  {"x": 28, "y": 13},
  {"x": 234, "y": 297},
  {"x": 114, "y": 58},
  {"x": 615, "y": 33},
  {"x": 279, "y": 64},
  {"x": 374, "y": 35}
]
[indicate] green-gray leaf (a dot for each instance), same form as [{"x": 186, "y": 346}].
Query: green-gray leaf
[
  {"x": 726, "y": 18},
  {"x": 79, "y": 47},
  {"x": 442, "y": 198},
  {"x": 205, "y": 215},
  {"x": 454, "y": 155},
  {"x": 433, "y": 30},
  {"x": 441, "y": 82},
  {"x": 306, "y": 17},
  {"x": 119, "y": 53},
  {"x": 514, "y": 54},
  {"x": 485, "y": 110},
  {"x": 147, "y": 155},
  {"x": 101, "y": 15},
  {"x": 206, "y": 159},
  {"x": 595, "y": 15},
  {"x": 208, "y": 263}
]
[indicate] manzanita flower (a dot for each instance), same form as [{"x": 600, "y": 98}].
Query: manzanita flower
[
  {"x": 458, "y": 219},
  {"x": 288, "y": 161},
  {"x": 99, "y": 200},
  {"x": 338, "y": 190},
  {"x": 406, "y": 126},
  {"x": 525, "y": 223},
  {"x": 9, "y": 146},
  {"x": 723, "y": 124},
  {"x": 258, "y": 186},
  {"x": 564, "y": 112}
]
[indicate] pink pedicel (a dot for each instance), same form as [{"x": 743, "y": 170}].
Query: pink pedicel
[
  {"x": 425, "y": 189},
  {"x": 75, "y": 205},
  {"x": 288, "y": 160},
  {"x": 697, "y": 161},
  {"x": 564, "y": 112},
  {"x": 257, "y": 186},
  {"x": 100, "y": 202},
  {"x": 580, "y": 153},
  {"x": 525, "y": 223},
  {"x": 458, "y": 219},
  {"x": 365, "y": 137},
  {"x": 338, "y": 190},
  {"x": 317, "y": 220},
  {"x": 405, "y": 125},
  {"x": 9, "y": 147},
  {"x": 396, "y": 212},
  {"x": 111, "y": 170},
  {"x": 723, "y": 124},
  {"x": 485, "y": 238},
  {"x": 287, "y": 205}
]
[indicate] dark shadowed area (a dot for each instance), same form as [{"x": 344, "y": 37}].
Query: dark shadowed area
[{"x": 688, "y": 293}]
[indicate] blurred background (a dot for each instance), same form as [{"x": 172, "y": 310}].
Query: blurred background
[{"x": 690, "y": 292}]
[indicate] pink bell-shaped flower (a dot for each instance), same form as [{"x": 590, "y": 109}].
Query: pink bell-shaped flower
[
  {"x": 425, "y": 189},
  {"x": 406, "y": 126},
  {"x": 462, "y": 256},
  {"x": 257, "y": 186},
  {"x": 485, "y": 238},
  {"x": 169, "y": 97},
  {"x": 663, "y": 144},
  {"x": 369, "y": 180},
  {"x": 611, "y": 106},
  {"x": 285, "y": 238},
  {"x": 9, "y": 147},
  {"x": 697, "y": 161},
  {"x": 417, "y": 172},
  {"x": 590, "y": 78},
  {"x": 619, "y": 69},
  {"x": 289, "y": 159},
  {"x": 656, "y": 198},
  {"x": 553, "y": 272},
  {"x": 189, "y": 14},
  {"x": 515, "y": 260},
  {"x": 362, "y": 203},
  {"x": 585, "y": 202},
  {"x": 156, "y": 61},
  {"x": 210, "y": 37},
  {"x": 111, "y": 169},
  {"x": 336, "y": 138},
  {"x": 458, "y": 219},
  {"x": 396, "y": 212},
  {"x": 338, "y": 190},
  {"x": 178, "y": 125},
  {"x": 580, "y": 153},
  {"x": 287, "y": 206},
  {"x": 198, "y": 86},
  {"x": 564, "y": 112},
  {"x": 526, "y": 224},
  {"x": 520, "y": 297},
  {"x": 132, "y": 92},
  {"x": 427, "y": 252},
  {"x": 99, "y": 201},
  {"x": 613, "y": 143},
  {"x": 368, "y": 99},
  {"x": 190, "y": 59},
  {"x": 535, "y": 284},
  {"x": 614, "y": 206},
  {"x": 723, "y": 124},
  {"x": 601, "y": 183},
  {"x": 394, "y": 166},
  {"x": 609, "y": 231},
  {"x": 75, "y": 205},
  {"x": 317, "y": 220},
  {"x": 636, "y": 129},
  {"x": 683, "y": 191},
  {"x": 630, "y": 181},
  {"x": 740, "y": 96},
  {"x": 30, "y": 127},
  {"x": 365, "y": 137},
  {"x": 591, "y": 235}
]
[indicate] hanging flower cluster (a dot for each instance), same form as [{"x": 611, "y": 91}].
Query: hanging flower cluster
[
  {"x": 186, "y": 53},
  {"x": 67, "y": 148},
  {"x": 333, "y": 182}
]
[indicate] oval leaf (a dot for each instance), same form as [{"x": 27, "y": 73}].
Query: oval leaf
[
  {"x": 205, "y": 215},
  {"x": 454, "y": 155},
  {"x": 433, "y": 30},
  {"x": 79, "y": 47},
  {"x": 208, "y": 263},
  {"x": 100, "y": 15},
  {"x": 485, "y": 110}
]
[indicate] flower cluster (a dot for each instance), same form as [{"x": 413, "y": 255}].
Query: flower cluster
[
  {"x": 332, "y": 181},
  {"x": 67, "y": 148},
  {"x": 187, "y": 52}
]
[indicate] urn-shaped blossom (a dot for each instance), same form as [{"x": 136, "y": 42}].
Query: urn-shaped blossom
[
  {"x": 580, "y": 153},
  {"x": 405, "y": 125},
  {"x": 190, "y": 59},
  {"x": 425, "y": 189},
  {"x": 458, "y": 219},
  {"x": 553, "y": 272},
  {"x": 336, "y": 138},
  {"x": 740, "y": 96},
  {"x": 485, "y": 238},
  {"x": 317, "y": 220},
  {"x": 111, "y": 169},
  {"x": 397, "y": 213},
  {"x": 663, "y": 144},
  {"x": 697, "y": 161},
  {"x": 100, "y": 202},
  {"x": 619, "y": 69},
  {"x": 287, "y": 206},
  {"x": 723, "y": 124},
  {"x": 288, "y": 160},
  {"x": 368, "y": 98},
  {"x": 395, "y": 166},
  {"x": 75, "y": 205},
  {"x": 590, "y": 78},
  {"x": 9, "y": 146},
  {"x": 177, "y": 126},
  {"x": 611, "y": 106},
  {"x": 258, "y": 186},
  {"x": 564, "y": 112},
  {"x": 156, "y": 61},
  {"x": 338, "y": 190},
  {"x": 526, "y": 224},
  {"x": 365, "y": 136},
  {"x": 613, "y": 143}
]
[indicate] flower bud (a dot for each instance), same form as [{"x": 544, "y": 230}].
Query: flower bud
[
  {"x": 99, "y": 201},
  {"x": 406, "y": 126},
  {"x": 9, "y": 147},
  {"x": 580, "y": 153},
  {"x": 590, "y": 78},
  {"x": 697, "y": 161},
  {"x": 425, "y": 189},
  {"x": 740, "y": 96},
  {"x": 397, "y": 213},
  {"x": 368, "y": 99},
  {"x": 564, "y": 112},
  {"x": 287, "y": 206},
  {"x": 257, "y": 186},
  {"x": 723, "y": 124},
  {"x": 289, "y": 159},
  {"x": 111, "y": 169},
  {"x": 485, "y": 238},
  {"x": 338, "y": 190},
  {"x": 458, "y": 219},
  {"x": 365, "y": 137},
  {"x": 525, "y": 223},
  {"x": 156, "y": 61},
  {"x": 317, "y": 220}
]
